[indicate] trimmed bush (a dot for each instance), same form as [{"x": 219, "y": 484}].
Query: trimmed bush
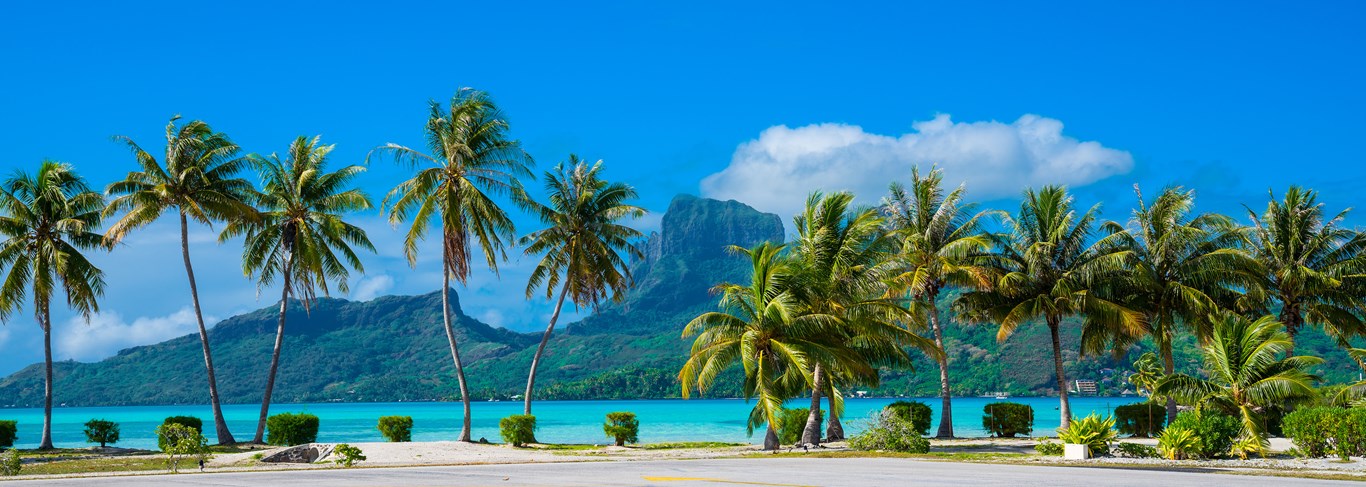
[
  {"x": 1312, "y": 429},
  {"x": 10, "y": 464},
  {"x": 1351, "y": 433},
  {"x": 889, "y": 432},
  {"x": 622, "y": 426},
  {"x": 1008, "y": 419},
  {"x": 181, "y": 441},
  {"x": 518, "y": 429},
  {"x": 9, "y": 431},
  {"x": 1213, "y": 431},
  {"x": 396, "y": 428},
  {"x": 289, "y": 429},
  {"x": 348, "y": 455},
  {"x": 1092, "y": 431},
  {"x": 1178, "y": 442},
  {"x": 918, "y": 413},
  {"x": 101, "y": 431},
  {"x": 1143, "y": 420},
  {"x": 190, "y": 422},
  {"x": 793, "y": 421},
  {"x": 1135, "y": 450},
  {"x": 1048, "y": 448}
]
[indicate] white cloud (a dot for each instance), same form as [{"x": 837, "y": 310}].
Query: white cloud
[
  {"x": 372, "y": 287},
  {"x": 4, "y": 336},
  {"x": 776, "y": 171},
  {"x": 107, "y": 333},
  {"x": 492, "y": 317}
]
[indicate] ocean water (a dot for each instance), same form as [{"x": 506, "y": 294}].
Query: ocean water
[{"x": 557, "y": 421}]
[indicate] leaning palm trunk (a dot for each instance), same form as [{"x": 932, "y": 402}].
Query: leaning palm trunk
[
  {"x": 46, "y": 318},
  {"x": 771, "y": 439},
  {"x": 834, "y": 431},
  {"x": 1168, "y": 368},
  {"x": 812, "y": 433},
  {"x": 1064, "y": 409},
  {"x": 536, "y": 359},
  {"x": 455, "y": 352},
  {"x": 274, "y": 358},
  {"x": 945, "y": 393},
  {"x": 220, "y": 426}
]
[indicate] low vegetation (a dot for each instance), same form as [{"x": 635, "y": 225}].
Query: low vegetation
[
  {"x": 102, "y": 432},
  {"x": 622, "y": 427},
  {"x": 1094, "y": 431},
  {"x": 1008, "y": 419},
  {"x": 518, "y": 430},
  {"x": 891, "y": 432},
  {"x": 347, "y": 455},
  {"x": 396, "y": 428},
  {"x": 289, "y": 429}
]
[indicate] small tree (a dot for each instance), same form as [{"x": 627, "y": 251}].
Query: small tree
[
  {"x": 8, "y": 433},
  {"x": 181, "y": 441},
  {"x": 396, "y": 428},
  {"x": 518, "y": 429},
  {"x": 102, "y": 432},
  {"x": 186, "y": 421},
  {"x": 1007, "y": 419},
  {"x": 622, "y": 426},
  {"x": 348, "y": 455},
  {"x": 916, "y": 412},
  {"x": 289, "y": 429}
]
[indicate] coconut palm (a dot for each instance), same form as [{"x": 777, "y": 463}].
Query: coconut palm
[
  {"x": 764, "y": 328},
  {"x": 940, "y": 238},
  {"x": 47, "y": 219},
  {"x": 472, "y": 160},
  {"x": 1048, "y": 271},
  {"x": 197, "y": 179},
  {"x": 581, "y": 248},
  {"x": 1356, "y": 391},
  {"x": 1248, "y": 372},
  {"x": 1183, "y": 267},
  {"x": 300, "y": 237},
  {"x": 1312, "y": 267}
]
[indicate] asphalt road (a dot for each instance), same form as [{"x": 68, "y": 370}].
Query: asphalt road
[{"x": 786, "y": 472}]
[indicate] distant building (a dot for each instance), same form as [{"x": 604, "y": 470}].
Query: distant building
[{"x": 1085, "y": 387}]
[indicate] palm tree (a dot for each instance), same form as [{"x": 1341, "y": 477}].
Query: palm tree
[
  {"x": 1182, "y": 268},
  {"x": 472, "y": 161},
  {"x": 46, "y": 220},
  {"x": 940, "y": 239},
  {"x": 1312, "y": 266},
  {"x": 300, "y": 234},
  {"x": 1248, "y": 372},
  {"x": 1355, "y": 391},
  {"x": 582, "y": 245},
  {"x": 197, "y": 178},
  {"x": 764, "y": 328},
  {"x": 1048, "y": 271}
]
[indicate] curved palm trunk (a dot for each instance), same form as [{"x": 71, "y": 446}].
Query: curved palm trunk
[
  {"x": 945, "y": 393},
  {"x": 274, "y": 360},
  {"x": 536, "y": 359},
  {"x": 455, "y": 351},
  {"x": 220, "y": 426},
  {"x": 1168, "y": 368},
  {"x": 771, "y": 439},
  {"x": 1064, "y": 409},
  {"x": 1290, "y": 317},
  {"x": 812, "y": 433},
  {"x": 834, "y": 431},
  {"x": 46, "y": 317}
]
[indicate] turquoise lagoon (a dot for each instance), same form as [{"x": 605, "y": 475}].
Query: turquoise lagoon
[{"x": 558, "y": 421}]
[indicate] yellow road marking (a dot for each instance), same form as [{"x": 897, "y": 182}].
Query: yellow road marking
[{"x": 719, "y": 481}]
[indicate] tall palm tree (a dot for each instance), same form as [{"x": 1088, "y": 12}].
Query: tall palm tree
[
  {"x": 940, "y": 241},
  {"x": 1248, "y": 372},
  {"x": 1183, "y": 267},
  {"x": 472, "y": 160},
  {"x": 46, "y": 220},
  {"x": 582, "y": 245},
  {"x": 197, "y": 178},
  {"x": 1313, "y": 267},
  {"x": 1048, "y": 271},
  {"x": 840, "y": 268},
  {"x": 300, "y": 236},
  {"x": 763, "y": 327}
]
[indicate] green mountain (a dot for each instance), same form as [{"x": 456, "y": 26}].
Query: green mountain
[{"x": 394, "y": 348}]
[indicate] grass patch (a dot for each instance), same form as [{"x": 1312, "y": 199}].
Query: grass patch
[
  {"x": 688, "y": 444},
  {"x": 569, "y": 447},
  {"x": 932, "y": 455},
  {"x": 95, "y": 465}
]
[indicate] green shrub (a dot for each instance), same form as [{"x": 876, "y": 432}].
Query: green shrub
[
  {"x": 889, "y": 432},
  {"x": 918, "y": 413},
  {"x": 348, "y": 455},
  {"x": 186, "y": 421},
  {"x": 622, "y": 426},
  {"x": 1213, "y": 431},
  {"x": 1312, "y": 429},
  {"x": 289, "y": 429},
  {"x": 1093, "y": 431},
  {"x": 1135, "y": 450},
  {"x": 396, "y": 428},
  {"x": 1007, "y": 419},
  {"x": 1178, "y": 442},
  {"x": 1048, "y": 448},
  {"x": 1351, "y": 433},
  {"x": 181, "y": 441},
  {"x": 518, "y": 429},
  {"x": 793, "y": 421},
  {"x": 1143, "y": 420},
  {"x": 9, "y": 431},
  {"x": 101, "y": 431},
  {"x": 10, "y": 464}
]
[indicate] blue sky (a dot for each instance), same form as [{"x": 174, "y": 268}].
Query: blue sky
[{"x": 758, "y": 102}]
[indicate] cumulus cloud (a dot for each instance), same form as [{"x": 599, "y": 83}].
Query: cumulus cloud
[
  {"x": 108, "y": 332},
  {"x": 776, "y": 171},
  {"x": 372, "y": 287}
]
